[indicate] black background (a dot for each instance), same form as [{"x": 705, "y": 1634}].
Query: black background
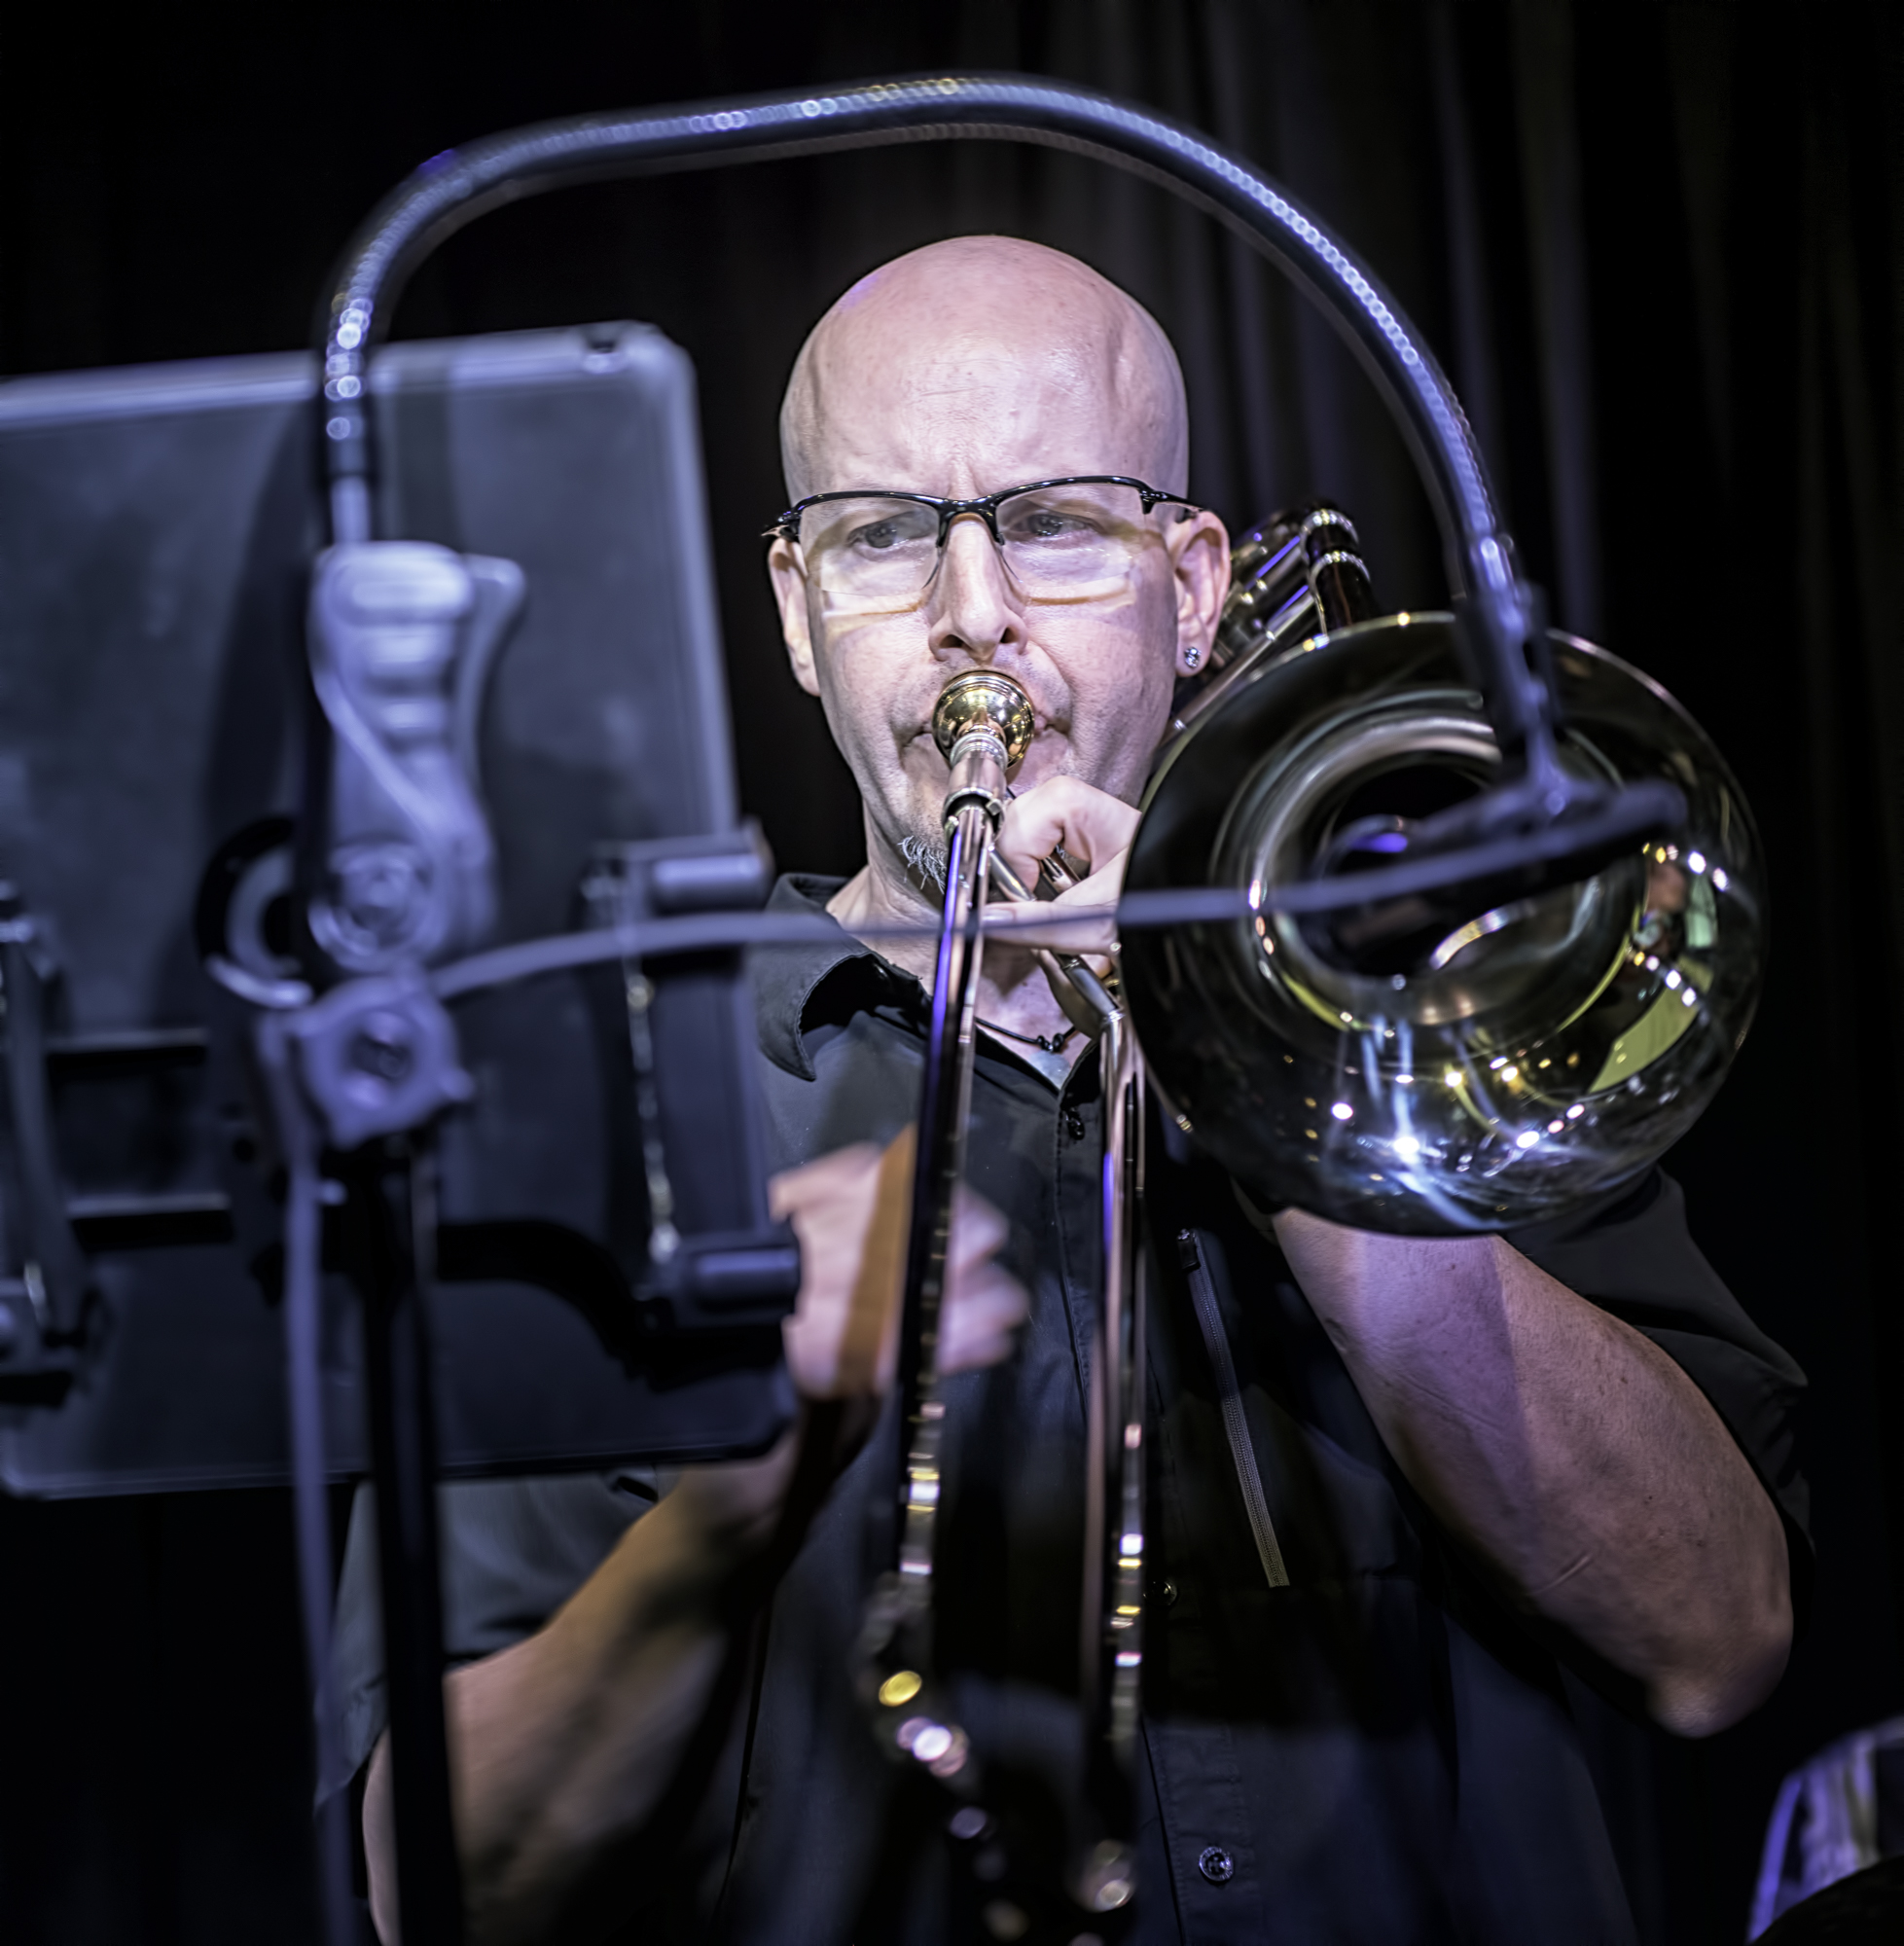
[{"x": 1661, "y": 250}]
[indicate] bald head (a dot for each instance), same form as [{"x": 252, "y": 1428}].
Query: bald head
[
  {"x": 957, "y": 372},
  {"x": 975, "y": 351}
]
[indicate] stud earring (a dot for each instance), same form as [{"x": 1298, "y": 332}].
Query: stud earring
[{"x": 1192, "y": 655}]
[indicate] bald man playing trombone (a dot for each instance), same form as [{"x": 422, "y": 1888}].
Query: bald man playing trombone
[{"x": 1481, "y": 1458}]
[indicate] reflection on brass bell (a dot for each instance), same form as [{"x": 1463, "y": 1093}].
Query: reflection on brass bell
[{"x": 1400, "y": 1070}]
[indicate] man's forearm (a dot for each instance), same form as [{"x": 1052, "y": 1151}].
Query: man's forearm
[
  {"x": 1568, "y": 1450},
  {"x": 562, "y": 1747}
]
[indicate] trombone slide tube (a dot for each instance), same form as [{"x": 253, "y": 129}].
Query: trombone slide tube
[{"x": 944, "y": 1111}]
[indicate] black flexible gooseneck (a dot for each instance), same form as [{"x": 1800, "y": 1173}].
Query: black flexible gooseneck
[{"x": 455, "y": 188}]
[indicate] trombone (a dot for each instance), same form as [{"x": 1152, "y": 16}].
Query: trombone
[{"x": 1444, "y": 1053}]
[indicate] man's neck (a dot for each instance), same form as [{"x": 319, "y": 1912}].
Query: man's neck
[{"x": 1013, "y": 990}]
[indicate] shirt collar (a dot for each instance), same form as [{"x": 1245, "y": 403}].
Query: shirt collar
[
  {"x": 786, "y": 978},
  {"x": 793, "y": 984}
]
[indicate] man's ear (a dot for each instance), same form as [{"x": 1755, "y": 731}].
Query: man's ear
[
  {"x": 788, "y": 575},
  {"x": 1201, "y": 549}
]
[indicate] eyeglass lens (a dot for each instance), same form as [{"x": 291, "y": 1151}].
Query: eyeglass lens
[{"x": 1059, "y": 543}]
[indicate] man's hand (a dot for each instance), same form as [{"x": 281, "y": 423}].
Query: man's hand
[
  {"x": 1087, "y": 825},
  {"x": 563, "y": 1744},
  {"x": 851, "y": 1211}
]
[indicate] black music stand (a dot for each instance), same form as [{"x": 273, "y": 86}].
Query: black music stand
[{"x": 158, "y": 529}]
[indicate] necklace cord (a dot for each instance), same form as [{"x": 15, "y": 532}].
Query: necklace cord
[{"x": 1051, "y": 1044}]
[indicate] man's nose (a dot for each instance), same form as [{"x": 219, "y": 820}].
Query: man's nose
[{"x": 972, "y": 606}]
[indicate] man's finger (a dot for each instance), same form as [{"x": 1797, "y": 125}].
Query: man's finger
[
  {"x": 983, "y": 1307},
  {"x": 849, "y": 1210},
  {"x": 978, "y": 1230},
  {"x": 1082, "y": 919},
  {"x": 984, "y": 1303},
  {"x": 1065, "y": 815},
  {"x": 816, "y": 1183}
]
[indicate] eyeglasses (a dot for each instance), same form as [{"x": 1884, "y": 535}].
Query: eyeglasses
[{"x": 1061, "y": 540}]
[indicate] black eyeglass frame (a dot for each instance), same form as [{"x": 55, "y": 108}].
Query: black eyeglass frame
[{"x": 787, "y": 526}]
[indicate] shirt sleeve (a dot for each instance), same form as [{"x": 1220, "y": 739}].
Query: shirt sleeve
[
  {"x": 1633, "y": 1256},
  {"x": 511, "y": 1553}
]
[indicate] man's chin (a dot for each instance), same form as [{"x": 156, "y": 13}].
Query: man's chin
[
  {"x": 914, "y": 846},
  {"x": 925, "y": 864}
]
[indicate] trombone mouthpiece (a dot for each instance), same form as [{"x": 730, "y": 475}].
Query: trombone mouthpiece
[
  {"x": 982, "y": 724},
  {"x": 981, "y": 700}
]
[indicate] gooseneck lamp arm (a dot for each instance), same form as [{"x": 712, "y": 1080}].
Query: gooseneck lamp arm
[{"x": 454, "y": 188}]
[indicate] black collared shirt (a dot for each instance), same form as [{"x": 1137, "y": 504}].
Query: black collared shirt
[{"x": 1347, "y": 1736}]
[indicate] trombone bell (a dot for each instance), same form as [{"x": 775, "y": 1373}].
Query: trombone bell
[{"x": 1437, "y": 1073}]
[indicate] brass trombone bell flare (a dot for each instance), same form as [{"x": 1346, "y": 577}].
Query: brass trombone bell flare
[{"x": 1501, "y": 1067}]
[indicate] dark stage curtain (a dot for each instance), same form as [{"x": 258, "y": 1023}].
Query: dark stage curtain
[{"x": 1660, "y": 247}]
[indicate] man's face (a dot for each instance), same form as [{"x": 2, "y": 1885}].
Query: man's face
[{"x": 960, "y": 414}]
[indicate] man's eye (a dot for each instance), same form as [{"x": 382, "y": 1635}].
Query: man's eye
[
  {"x": 881, "y": 537},
  {"x": 1047, "y": 523}
]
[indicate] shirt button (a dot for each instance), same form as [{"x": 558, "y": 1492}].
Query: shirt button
[{"x": 1216, "y": 1864}]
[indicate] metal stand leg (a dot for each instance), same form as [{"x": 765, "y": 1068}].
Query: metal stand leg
[
  {"x": 309, "y": 1474},
  {"x": 302, "y": 1301},
  {"x": 390, "y": 1201}
]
